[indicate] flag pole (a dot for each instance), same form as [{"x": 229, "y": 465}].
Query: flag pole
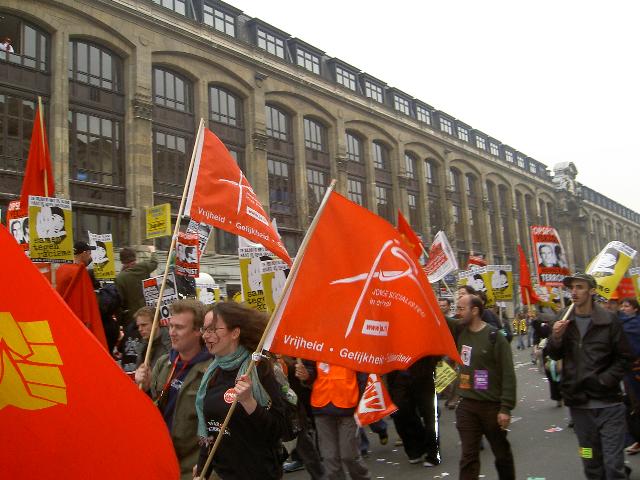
[
  {"x": 258, "y": 352},
  {"x": 44, "y": 148},
  {"x": 176, "y": 230}
]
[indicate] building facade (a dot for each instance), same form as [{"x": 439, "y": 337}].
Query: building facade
[{"x": 125, "y": 83}]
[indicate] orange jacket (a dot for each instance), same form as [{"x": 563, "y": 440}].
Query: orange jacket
[{"x": 336, "y": 385}]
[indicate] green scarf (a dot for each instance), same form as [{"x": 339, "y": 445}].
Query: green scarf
[{"x": 240, "y": 358}]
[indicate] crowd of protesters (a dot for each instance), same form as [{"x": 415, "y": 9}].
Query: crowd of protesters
[{"x": 199, "y": 363}]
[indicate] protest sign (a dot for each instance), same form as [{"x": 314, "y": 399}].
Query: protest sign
[
  {"x": 203, "y": 231},
  {"x": 444, "y": 376},
  {"x": 208, "y": 293},
  {"x": 220, "y": 195},
  {"x": 159, "y": 221},
  {"x": 50, "y": 224},
  {"x": 625, "y": 288},
  {"x": 609, "y": 267},
  {"x": 635, "y": 279},
  {"x": 187, "y": 255},
  {"x": 369, "y": 308},
  {"x": 18, "y": 224},
  {"x": 151, "y": 292},
  {"x": 104, "y": 264},
  {"x": 442, "y": 260},
  {"x": 549, "y": 255},
  {"x": 479, "y": 278},
  {"x": 501, "y": 282},
  {"x": 375, "y": 403},
  {"x": 251, "y": 283}
]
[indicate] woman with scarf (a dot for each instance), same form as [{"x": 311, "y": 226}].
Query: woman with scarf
[{"x": 251, "y": 446}]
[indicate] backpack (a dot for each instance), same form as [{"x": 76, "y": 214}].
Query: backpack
[
  {"x": 293, "y": 421},
  {"x": 109, "y": 300}
]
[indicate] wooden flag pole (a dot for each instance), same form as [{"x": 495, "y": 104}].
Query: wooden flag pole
[
  {"x": 44, "y": 147},
  {"x": 528, "y": 301},
  {"x": 258, "y": 352},
  {"x": 176, "y": 230}
]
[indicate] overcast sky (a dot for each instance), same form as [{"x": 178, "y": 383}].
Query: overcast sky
[{"x": 556, "y": 80}]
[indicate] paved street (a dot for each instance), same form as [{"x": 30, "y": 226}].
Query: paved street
[{"x": 538, "y": 454}]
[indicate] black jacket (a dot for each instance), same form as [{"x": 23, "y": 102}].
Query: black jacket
[{"x": 593, "y": 366}]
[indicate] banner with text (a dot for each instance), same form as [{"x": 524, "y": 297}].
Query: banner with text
[
  {"x": 501, "y": 282},
  {"x": 52, "y": 233},
  {"x": 609, "y": 267},
  {"x": 549, "y": 256},
  {"x": 159, "y": 221},
  {"x": 104, "y": 264},
  {"x": 151, "y": 291},
  {"x": 187, "y": 254},
  {"x": 479, "y": 278},
  {"x": 442, "y": 260},
  {"x": 18, "y": 224},
  {"x": 203, "y": 231}
]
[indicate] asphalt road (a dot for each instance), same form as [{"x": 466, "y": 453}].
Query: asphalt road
[{"x": 538, "y": 454}]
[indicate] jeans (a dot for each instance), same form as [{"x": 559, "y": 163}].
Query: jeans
[{"x": 339, "y": 445}]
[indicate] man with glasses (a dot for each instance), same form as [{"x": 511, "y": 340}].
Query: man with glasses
[{"x": 176, "y": 377}]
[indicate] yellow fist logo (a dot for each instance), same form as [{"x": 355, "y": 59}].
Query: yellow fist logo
[{"x": 29, "y": 376}]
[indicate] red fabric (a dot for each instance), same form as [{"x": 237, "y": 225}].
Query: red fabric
[
  {"x": 526, "y": 288},
  {"x": 358, "y": 298},
  {"x": 625, "y": 289},
  {"x": 65, "y": 405},
  {"x": 409, "y": 235},
  {"x": 220, "y": 195},
  {"x": 375, "y": 403},
  {"x": 476, "y": 260},
  {"x": 75, "y": 287},
  {"x": 38, "y": 163}
]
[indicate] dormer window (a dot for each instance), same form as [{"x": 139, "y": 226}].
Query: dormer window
[
  {"x": 269, "y": 42},
  {"x": 345, "y": 78},
  {"x": 373, "y": 91},
  {"x": 402, "y": 105},
  {"x": 308, "y": 60}
]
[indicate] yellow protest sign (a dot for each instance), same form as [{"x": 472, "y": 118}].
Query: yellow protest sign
[
  {"x": 50, "y": 224},
  {"x": 609, "y": 267},
  {"x": 104, "y": 265},
  {"x": 159, "y": 221},
  {"x": 480, "y": 279},
  {"x": 635, "y": 278},
  {"x": 251, "y": 283},
  {"x": 501, "y": 282},
  {"x": 444, "y": 376}
]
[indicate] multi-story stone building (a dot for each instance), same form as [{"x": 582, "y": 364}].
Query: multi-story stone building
[{"x": 125, "y": 82}]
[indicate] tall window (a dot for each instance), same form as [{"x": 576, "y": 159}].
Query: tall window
[
  {"x": 271, "y": 43},
  {"x": 354, "y": 148},
  {"x": 224, "y": 107},
  {"x": 31, "y": 47},
  {"x": 431, "y": 173},
  {"x": 463, "y": 134},
  {"x": 94, "y": 65},
  {"x": 423, "y": 115},
  {"x": 402, "y": 105},
  {"x": 454, "y": 182},
  {"x": 345, "y": 78},
  {"x": 410, "y": 165},
  {"x": 382, "y": 201},
  {"x": 520, "y": 161},
  {"x": 373, "y": 91},
  {"x": 446, "y": 126},
  {"x": 308, "y": 60},
  {"x": 171, "y": 90},
  {"x": 470, "y": 186},
  {"x": 508, "y": 156},
  {"x": 380, "y": 156},
  {"x": 414, "y": 218},
  {"x": 281, "y": 188},
  {"x": 95, "y": 149},
  {"x": 455, "y": 214},
  {"x": 170, "y": 162},
  {"x": 481, "y": 143},
  {"x": 532, "y": 168},
  {"x": 219, "y": 19},
  {"x": 494, "y": 149},
  {"x": 355, "y": 189},
  {"x": 316, "y": 187},
  {"x": 16, "y": 125},
  {"x": 313, "y": 135},
  {"x": 277, "y": 123}
]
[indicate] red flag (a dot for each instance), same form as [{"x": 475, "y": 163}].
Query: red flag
[
  {"x": 358, "y": 298},
  {"x": 409, "y": 235},
  {"x": 38, "y": 170},
  {"x": 625, "y": 288},
  {"x": 375, "y": 403},
  {"x": 477, "y": 261},
  {"x": 529, "y": 296},
  {"x": 74, "y": 284},
  {"x": 63, "y": 400},
  {"x": 220, "y": 195}
]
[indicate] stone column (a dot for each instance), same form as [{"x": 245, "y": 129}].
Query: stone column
[
  {"x": 300, "y": 169},
  {"x": 58, "y": 105}
]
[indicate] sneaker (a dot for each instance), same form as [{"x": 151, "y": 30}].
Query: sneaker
[
  {"x": 413, "y": 461},
  {"x": 384, "y": 438},
  {"x": 397, "y": 443},
  {"x": 293, "y": 466},
  {"x": 430, "y": 462}
]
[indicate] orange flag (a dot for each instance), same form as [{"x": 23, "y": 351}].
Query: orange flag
[
  {"x": 358, "y": 297},
  {"x": 529, "y": 296},
  {"x": 409, "y": 235},
  {"x": 66, "y": 408},
  {"x": 220, "y": 195},
  {"x": 74, "y": 284},
  {"x": 38, "y": 170},
  {"x": 375, "y": 403}
]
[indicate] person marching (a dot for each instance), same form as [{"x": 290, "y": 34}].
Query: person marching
[{"x": 487, "y": 387}]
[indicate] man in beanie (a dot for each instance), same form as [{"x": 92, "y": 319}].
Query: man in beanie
[{"x": 595, "y": 354}]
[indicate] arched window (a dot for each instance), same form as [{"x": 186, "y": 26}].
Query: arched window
[
  {"x": 94, "y": 65},
  {"x": 380, "y": 156},
  {"x": 317, "y": 160},
  {"x": 354, "y": 148},
  {"x": 314, "y": 135},
  {"x": 224, "y": 107},
  {"x": 410, "y": 165},
  {"x": 171, "y": 90},
  {"x": 277, "y": 123}
]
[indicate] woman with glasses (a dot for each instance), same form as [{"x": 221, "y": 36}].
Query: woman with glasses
[{"x": 251, "y": 446}]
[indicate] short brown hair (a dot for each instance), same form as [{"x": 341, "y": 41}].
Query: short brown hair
[
  {"x": 127, "y": 255},
  {"x": 251, "y": 322},
  {"x": 189, "y": 305},
  {"x": 146, "y": 311}
]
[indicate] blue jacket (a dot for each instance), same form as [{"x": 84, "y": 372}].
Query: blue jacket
[{"x": 631, "y": 326}]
